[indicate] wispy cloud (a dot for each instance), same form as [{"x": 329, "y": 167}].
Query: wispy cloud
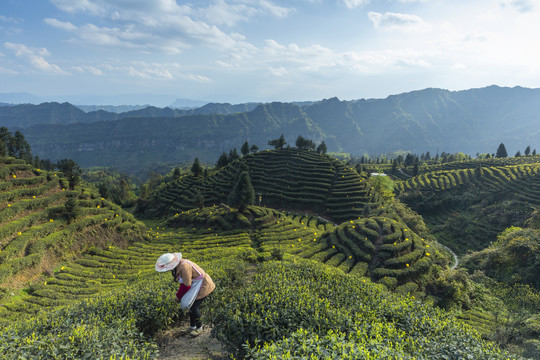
[
  {"x": 351, "y": 4},
  {"x": 165, "y": 25},
  {"x": 88, "y": 69},
  {"x": 520, "y": 5},
  {"x": 396, "y": 21},
  {"x": 73, "y": 6},
  {"x": 11, "y": 20},
  {"x": 35, "y": 57},
  {"x": 64, "y": 25}
]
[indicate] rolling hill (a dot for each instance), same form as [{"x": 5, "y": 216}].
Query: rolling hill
[
  {"x": 288, "y": 279},
  {"x": 466, "y": 204},
  {"x": 43, "y": 222}
]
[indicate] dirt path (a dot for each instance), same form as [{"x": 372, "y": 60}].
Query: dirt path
[{"x": 173, "y": 346}]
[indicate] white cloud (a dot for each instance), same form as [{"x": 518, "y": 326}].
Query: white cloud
[
  {"x": 10, "y": 19},
  {"x": 322, "y": 62},
  {"x": 165, "y": 25},
  {"x": 149, "y": 73},
  {"x": 520, "y": 5},
  {"x": 274, "y": 9},
  {"x": 35, "y": 57},
  {"x": 351, "y": 4},
  {"x": 396, "y": 21},
  {"x": 78, "y": 6},
  {"x": 60, "y": 24},
  {"x": 88, "y": 69},
  {"x": 197, "y": 78},
  {"x": 223, "y": 13}
]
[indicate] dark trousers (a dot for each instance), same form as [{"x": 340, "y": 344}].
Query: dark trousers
[{"x": 195, "y": 314}]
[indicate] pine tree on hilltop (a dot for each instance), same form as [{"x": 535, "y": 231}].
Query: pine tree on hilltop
[
  {"x": 243, "y": 193},
  {"x": 196, "y": 168},
  {"x": 528, "y": 150},
  {"x": 501, "y": 151},
  {"x": 222, "y": 161},
  {"x": 245, "y": 149},
  {"x": 233, "y": 155}
]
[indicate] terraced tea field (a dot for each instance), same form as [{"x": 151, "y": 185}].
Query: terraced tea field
[
  {"x": 38, "y": 228},
  {"x": 285, "y": 179}
]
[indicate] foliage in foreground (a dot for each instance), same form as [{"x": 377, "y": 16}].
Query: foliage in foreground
[
  {"x": 117, "y": 325},
  {"x": 304, "y": 310},
  {"x": 513, "y": 258}
]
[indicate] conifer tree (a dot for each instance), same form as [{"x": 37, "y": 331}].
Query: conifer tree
[
  {"x": 196, "y": 168},
  {"x": 222, "y": 161},
  {"x": 243, "y": 193},
  {"x": 233, "y": 155},
  {"x": 528, "y": 150},
  {"x": 254, "y": 148},
  {"x": 71, "y": 170},
  {"x": 518, "y": 154},
  {"x": 501, "y": 151},
  {"x": 245, "y": 149},
  {"x": 71, "y": 209}
]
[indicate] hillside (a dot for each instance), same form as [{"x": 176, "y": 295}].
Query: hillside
[
  {"x": 287, "y": 281},
  {"x": 466, "y": 204},
  {"x": 470, "y": 121},
  {"x": 43, "y": 222},
  {"x": 284, "y": 179}
]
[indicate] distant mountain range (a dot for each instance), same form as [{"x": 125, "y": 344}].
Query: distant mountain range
[
  {"x": 471, "y": 121},
  {"x": 161, "y": 100},
  {"x": 26, "y": 115}
]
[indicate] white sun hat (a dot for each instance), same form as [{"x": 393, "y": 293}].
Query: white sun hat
[{"x": 168, "y": 261}]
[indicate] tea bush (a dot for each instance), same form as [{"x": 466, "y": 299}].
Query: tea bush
[{"x": 304, "y": 310}]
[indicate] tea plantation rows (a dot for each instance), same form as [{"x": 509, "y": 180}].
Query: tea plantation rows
[
  {"x": 466, "y": 208},
  {"x": 37, "y": 227},
  {"x": 288, "y": 178},
  {"x": 94, "y": 292},
  {"x": 520, "y": 179},
  {"x": 380, "y": 248}
]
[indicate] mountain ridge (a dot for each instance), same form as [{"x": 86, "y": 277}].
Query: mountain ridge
[{"x": 470, "y": 121}]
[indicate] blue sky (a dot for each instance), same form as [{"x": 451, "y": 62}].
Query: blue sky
[{"x": 266, "y": 50}]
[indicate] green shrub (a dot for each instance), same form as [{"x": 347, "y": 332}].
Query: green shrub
[{"x": 303, "y": 310}]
